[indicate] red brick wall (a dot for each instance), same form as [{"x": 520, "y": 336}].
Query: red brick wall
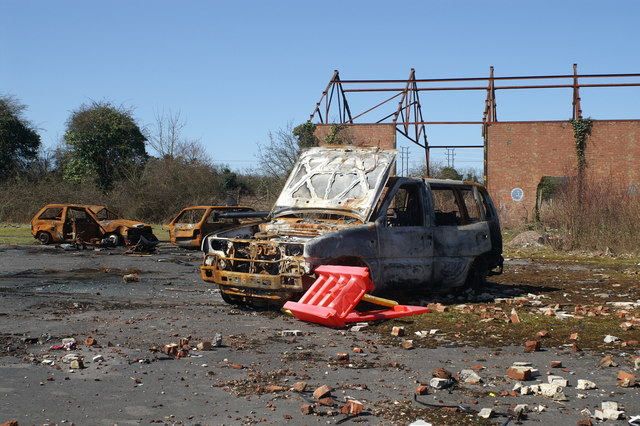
[
  {"x": 519, "y": 154},
  {"x": 376, "y": 135}
]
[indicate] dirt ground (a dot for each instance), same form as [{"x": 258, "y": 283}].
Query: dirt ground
[{"x": 258, "y": 372}]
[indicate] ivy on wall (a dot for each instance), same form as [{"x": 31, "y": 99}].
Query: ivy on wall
[{"x": 581, "y": 129}]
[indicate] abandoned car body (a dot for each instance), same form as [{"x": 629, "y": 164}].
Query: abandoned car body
[
  {"x": 59, "y": 223},
  {"x": 339, "y": 206},
  {"x": 122, "y": 231},
  {"x": 190, "y": 226}
]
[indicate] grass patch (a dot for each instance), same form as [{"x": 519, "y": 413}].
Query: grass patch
[
  {"x": 474, "y": 329},
  {"x": 11, "y": 233}
]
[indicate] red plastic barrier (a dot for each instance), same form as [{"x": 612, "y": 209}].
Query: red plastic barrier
[
  {"x": 333, "y": 295},
  {"x": 336, "y": 292}
]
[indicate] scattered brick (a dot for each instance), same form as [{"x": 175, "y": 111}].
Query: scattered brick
[
  {"x": 532, "y": 346},
  {"x": 607, "y": 361},
  {"x": 407, "y": 344},
  {"x": 397, "y": 331},
  {"x": 519, "y": 373},
  {"x": 352, "y": 407},
  {"x": 421, "y": 390},
  {"x": 342, "y": 356},
  {"x": 625, "y": 379},
  {"x": 321, "y": 392},
  {"x": 171, "y": 349},
  {"x": 300, "y": 386},
  {"x": 204, "y": 346},
  {"x": 326, "y": 401},
  {"x": 542, "y": 334},
  {"x": 306, "y": 409},
  {"x": 556, "y": 364},
  {"x": 441, "y": 373}
]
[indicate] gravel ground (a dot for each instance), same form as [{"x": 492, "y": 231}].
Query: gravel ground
[{"x": 258, "y": 372}]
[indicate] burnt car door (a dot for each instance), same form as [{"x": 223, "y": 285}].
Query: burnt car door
[
  {"x": 405, "y": 237},
  {"x": 79, "y": 224},
  {"x": 461, "y": 233}
]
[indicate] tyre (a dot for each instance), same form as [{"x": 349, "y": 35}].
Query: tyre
[
  {"x": 477, "y": 276},
  {"x": 114, "y": 239},
  {"x": 44, "y": 237}
]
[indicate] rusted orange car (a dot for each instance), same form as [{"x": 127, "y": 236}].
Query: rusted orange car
[
  {"x": 193, "y": 223},
  {"x": 59, "y": 223}
]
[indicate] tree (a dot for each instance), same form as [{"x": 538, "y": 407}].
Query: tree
[
  {"x": 19, "y": 141},
  {"x": 449, "y": 173},
  {"x": 167, "y": 139},
  {"x": 277, "y": 158},
  {"x": 104, "y": 143}
]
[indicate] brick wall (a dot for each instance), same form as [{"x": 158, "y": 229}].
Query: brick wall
[
  {"x": 519, "y": 154},
  {"x": 377, "y": 135}
]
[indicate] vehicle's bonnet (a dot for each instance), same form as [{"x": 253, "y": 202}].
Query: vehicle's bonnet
[{"x": 348, "y": 179}]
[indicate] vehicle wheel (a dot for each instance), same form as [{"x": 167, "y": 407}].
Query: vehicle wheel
[
  {"x": 44, "y": 237},
  {"x": 226, "y": 297},
  {"x": 477, "y": 276},
  {"x": 114, "y": 239}
]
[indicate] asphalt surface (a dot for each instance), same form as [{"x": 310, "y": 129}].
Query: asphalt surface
[{"x": 48, "y": 294}]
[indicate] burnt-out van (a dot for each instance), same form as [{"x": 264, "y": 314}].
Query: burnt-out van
[{"x": 340, "y": 206}]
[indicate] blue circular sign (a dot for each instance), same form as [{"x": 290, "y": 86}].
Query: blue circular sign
[{"x": 517, "y": 194}]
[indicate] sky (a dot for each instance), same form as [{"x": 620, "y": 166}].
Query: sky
[{"x": 236, "y": 71}]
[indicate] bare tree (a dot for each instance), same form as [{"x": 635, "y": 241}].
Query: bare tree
[{"x": 168, "y": 141}]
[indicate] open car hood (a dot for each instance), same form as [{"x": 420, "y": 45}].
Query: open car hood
[{"x": 347, "y": 179}]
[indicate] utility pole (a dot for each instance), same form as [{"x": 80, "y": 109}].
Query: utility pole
[
  {"x": 404, "y": 161},
  {"x": 451, "y": 155}
]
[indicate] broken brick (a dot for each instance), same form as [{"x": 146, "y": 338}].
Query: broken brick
[
  {"x": 573, "y": 336},
  {"x": 607, "y": 361},
  {"x": 397, "y": 331},
  {"x": 542, "y": 334},
  {"x": 532, "y": 346},
  {"x": 556, "y": 364},
  {"x": 90, "y": 341},
  {"x": 625, "y": 379},
  {"x": 204, "y": 346},
  {"x": 352, "y": 407},
  {"x": 321, "y": 392},
  {"x": 407, "y": 344},
  {"x": 171, "y": 349},
  {"x": 342, "y": 356},
  {"x": 421, "y": 390},
  {"x": 326, "y": 401},
  {"x": 357, "y": 350},
  {"x": 306, "y": 409},
  {"x": 274, "y": 388},
  {"x": 519, "y": 373},
  {"x": 300, "y": 386},
  {"x": 441, "y": 373}
]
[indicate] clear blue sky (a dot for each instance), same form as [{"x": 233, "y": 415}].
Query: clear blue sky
[{"x": 237, "y": 70}]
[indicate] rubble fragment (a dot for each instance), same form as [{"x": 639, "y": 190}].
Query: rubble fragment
[
  {"x": 625, "y": 379},
  {"x": 322, "y": 392},
  {"x": 532, "y": 346},
  {"x": 486, "y": 413},
  {"x": 352, "y": 407},
  {"x": 585, "y": 385}
]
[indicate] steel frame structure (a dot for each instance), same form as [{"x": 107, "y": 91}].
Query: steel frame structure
[{"x": 407, "y": 116}]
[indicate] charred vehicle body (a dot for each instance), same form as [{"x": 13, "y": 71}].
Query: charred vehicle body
[
  {"x": 65, "y": 223},
  {"x": 190, "y": 226},
  {"x": 339, "y": 206}
]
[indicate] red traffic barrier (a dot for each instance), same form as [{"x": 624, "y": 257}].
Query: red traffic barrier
[{"x": 331, "y": 299}]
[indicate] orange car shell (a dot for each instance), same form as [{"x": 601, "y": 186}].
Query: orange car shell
[
  {"x": 58, "y": 223},
  {"x": 189, "y": 227}
]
